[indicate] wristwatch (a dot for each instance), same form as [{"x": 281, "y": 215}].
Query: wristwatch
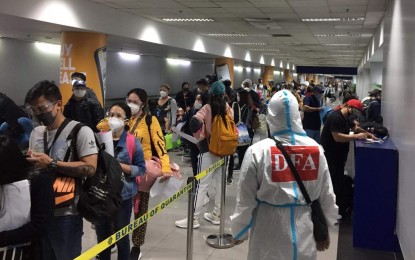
[{"x": 54, "y": 164}]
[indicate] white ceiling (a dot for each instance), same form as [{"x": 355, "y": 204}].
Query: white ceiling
[{"x": 301, "y": 47}]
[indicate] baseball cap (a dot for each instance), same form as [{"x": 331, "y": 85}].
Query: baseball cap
[
  {"x": 375, "y": 92},
  {"x": 355, "y": 104},
  {"x": 78, "y": 84},
  {"x": 202, "y": 82}
]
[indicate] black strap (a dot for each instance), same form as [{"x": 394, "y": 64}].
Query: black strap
[
  {"x": 293, "y": 170},
  {"x": 73, "y": 136},
  {"x": 47, "y": 149},
  {"x": 135, "y": 125},
  {"x": 153, "y": 148}
]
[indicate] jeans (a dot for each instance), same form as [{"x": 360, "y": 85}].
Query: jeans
[
  {"x": 64, "y": 239},
  {"x": 314, "y": 134},
  {"x": 105, "y": 230}
]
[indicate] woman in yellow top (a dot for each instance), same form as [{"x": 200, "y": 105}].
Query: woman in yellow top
[{"x": 137, "y": 100}]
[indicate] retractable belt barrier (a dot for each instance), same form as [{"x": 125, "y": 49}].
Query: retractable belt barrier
[{"x": 95, "y": 250}]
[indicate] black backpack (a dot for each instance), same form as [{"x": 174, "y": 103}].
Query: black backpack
[{"x": 100, "y": 198}]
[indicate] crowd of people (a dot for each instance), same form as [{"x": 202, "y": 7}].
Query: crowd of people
[{"x": 36, "y": 151}]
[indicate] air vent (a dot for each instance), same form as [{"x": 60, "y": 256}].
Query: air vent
[
  {"x": 257, "y": 19},
  {"x": 277, "y": 35}
]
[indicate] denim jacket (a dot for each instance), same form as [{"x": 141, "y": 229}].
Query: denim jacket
[{"x": 138, "y": 165}]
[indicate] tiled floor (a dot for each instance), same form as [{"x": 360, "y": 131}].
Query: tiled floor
[{"x": 165, "y": 241}]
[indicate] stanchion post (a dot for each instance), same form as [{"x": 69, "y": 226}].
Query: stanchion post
[
  {"x": 221, "y": 240},
  {"x": 190, "y": 216}
]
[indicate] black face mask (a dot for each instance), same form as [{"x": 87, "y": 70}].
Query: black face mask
[
  {"x": 185, "y": 89},
  {"x": 46, "y": 118}
]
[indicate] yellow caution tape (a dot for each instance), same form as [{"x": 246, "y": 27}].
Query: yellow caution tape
[{"x": 95, "y": 250}]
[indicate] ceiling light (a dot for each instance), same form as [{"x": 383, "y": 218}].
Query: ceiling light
[
  {"x": 227, "y": 34},
  {"x": 188, "y": 20},
  {"x": 248, "y": 69},
  {"x": 264, "y": 49},
  {"x": 129, "y": 56},
  {"x": 337, "y": 35},
  {"x": 48, "y": 47},
  {"x": 178, "y": 62},
  {"x": 248, "y": 43},
  {"x": 277, "y": 72},
  {"x": 238, "y": 68},
  {"x": 257, "y": 70},
  {"x": 349, "y": 19}
]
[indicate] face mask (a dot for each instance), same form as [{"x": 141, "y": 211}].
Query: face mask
[
  {"x": 115, "y": 123},
  {"x": 247, "y": 89},
  {"x": 134, "y": 108},
  {"x": 185, "y": 89},
  {"x": 197, "y": 105},
  {"x": 163, "y": 94},
  {"x": 46, "y": 118},
  {"x": 79, "y": 93}
]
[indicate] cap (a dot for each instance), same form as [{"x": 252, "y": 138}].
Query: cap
[
  {"x": 375, "y": 92},
  {"x": 355, "y": 104},
  {"x": 78, "y": 84},
  {"x": 217, "y": 88},
  {"x": 202, "y": 82},
  {"x": 304, "y": 83},
  {"x": 247, "y": 81}
]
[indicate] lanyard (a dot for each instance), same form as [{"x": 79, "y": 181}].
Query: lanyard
[{"x": 45, "y": 141}]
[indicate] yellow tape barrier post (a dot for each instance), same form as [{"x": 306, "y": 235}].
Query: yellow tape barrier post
[
  {"x": 190, "y": 216},
  {"x": 95, "y": 250}
]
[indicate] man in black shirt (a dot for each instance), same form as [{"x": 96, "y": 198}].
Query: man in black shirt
[
  {"x": 311, "y": 108},
  {"x": 335, "y": 140}
]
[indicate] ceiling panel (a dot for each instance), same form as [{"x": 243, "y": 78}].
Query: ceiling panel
[{"x": 274, "y": 17}]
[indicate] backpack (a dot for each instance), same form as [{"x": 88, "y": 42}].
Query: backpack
[
  {"x": 224, "y": 138},
  {"x": 100, "y": 199}
]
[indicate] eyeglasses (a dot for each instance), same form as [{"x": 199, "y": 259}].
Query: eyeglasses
[
  {"x": 133, "y": 102},
  {"x": 40, "y": 109}
]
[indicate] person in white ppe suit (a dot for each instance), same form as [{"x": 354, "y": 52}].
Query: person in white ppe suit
[{"x": 269, "y": 201}]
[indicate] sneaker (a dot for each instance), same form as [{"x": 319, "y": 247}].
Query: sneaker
[
  {"x": 113, "y": 249},
  {"x": 206, "y": 201},
  {"x": 213, "y": 218},
  {"x": 93, "y": 226},
  {"x": 229, "y": 180},
  {"x": 139, "y": 257},
  {"x": 183, "y": 223}
]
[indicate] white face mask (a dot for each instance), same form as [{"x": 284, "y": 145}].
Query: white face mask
[
  {"x": 197, "y": 105},
  {"x": 79, "y": 93},
  {"x": 134, "y": 108},
  {"x": 247, "y": 89},
  {"x": 163, "y": 94},
  {"x": 115, "y": 123}
]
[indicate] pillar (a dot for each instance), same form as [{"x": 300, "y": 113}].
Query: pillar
[
  {"x": 220, "y": 65},
  {"x": 86, "y": 53},
  {"x": 268, "y": 74},
  {"x": 287, "y": 76}
]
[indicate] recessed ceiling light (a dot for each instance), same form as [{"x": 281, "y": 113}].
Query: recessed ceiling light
[
  {"x": 48, "y": 47},
  {"x": 178, "y": 62},
  {"x": 349, "y": 19},
  {"x": 337, "y": 35},
  {"x": 227, "y": 34},
  {"x": 248, "y": 43},
  {"x": 264, "y": 49},
  {"x": 129, "y": 56},
  {"x": 188, "y": 20}
]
